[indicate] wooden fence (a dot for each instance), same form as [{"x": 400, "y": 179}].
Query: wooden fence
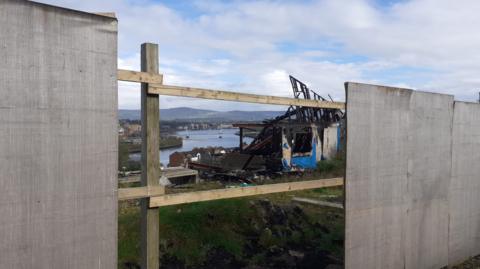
[{"x": 153, "y": 195}]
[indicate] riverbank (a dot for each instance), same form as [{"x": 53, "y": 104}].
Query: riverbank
[
  {"x": 169, "y": 142},
  {"x": 225, "y": 138}
]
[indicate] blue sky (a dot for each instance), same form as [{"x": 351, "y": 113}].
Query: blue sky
[{"x": 252, "y": 46}]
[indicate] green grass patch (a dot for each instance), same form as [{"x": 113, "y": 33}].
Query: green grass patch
[
  {"x": 243, "y": 228},
  {"x": 333, "y": 167},
  {"x": 128, "y": 234},
  {"x": 194, "y": 229}
]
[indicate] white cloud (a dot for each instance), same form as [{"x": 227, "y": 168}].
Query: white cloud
[{"x": 252, "y": 46}]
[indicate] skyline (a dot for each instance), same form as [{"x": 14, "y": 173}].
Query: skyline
[{"x": 252, "y": 47}]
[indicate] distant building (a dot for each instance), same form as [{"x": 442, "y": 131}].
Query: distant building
[
  {"x": 177, "y": 159},
  {"x": 121, "y": 131},
  {"x": 225, "y": 126},
  {"x": 132, "y": 129}
]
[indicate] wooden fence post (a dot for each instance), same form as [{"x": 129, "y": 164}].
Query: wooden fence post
[{"x": 150, "y": 160}]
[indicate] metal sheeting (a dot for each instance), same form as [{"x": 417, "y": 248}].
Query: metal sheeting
[
  {"x": 397, "y": 177},
  {"x": 464, "y": 196},
  {"x": 58, "y": 141}
]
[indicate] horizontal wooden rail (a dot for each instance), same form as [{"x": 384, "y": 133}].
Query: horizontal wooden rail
[
  {"x": 200, "y": 196},
  {"x": 157, "y": 88},
  {"x": 134, "y": 76},
  {"x": 239, "y": 97},
  {"x": 140, "y": 192}
]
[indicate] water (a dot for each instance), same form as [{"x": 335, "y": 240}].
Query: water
[{"x": 200, "y": 139}]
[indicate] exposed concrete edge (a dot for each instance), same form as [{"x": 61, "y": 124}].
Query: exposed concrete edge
[
  {"x": 108, "y": 15},
  {"x": 376, "y": 85},
  {"x": 393, "y": 87},
  {"x": 468, "y": 103}
]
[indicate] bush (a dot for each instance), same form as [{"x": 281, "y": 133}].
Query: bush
[
  {"x": 335, "y": 165},
  {"x": 122, "y": 156}
]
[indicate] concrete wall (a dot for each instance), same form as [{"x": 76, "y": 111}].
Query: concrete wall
[
  {"x": 58, "y": 142},
  {"x": 331, "y": 137},
  {"x": 464, "y": 196},
  {"x": 399, "y": 178}
]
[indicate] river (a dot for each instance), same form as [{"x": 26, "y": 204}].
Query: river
[{"x": 200, "y": 139}]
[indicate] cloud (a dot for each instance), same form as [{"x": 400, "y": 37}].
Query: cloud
[{"x": 252, "y": 46}]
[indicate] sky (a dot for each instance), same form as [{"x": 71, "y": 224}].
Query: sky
[{"x": 253, "y": 46}]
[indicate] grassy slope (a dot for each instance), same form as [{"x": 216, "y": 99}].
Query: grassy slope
[{"x": 189, "y": 232}]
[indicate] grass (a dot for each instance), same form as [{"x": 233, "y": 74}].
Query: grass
[
  {"x": 128, "y": 233},
  {"x": 188, "y": 232},
  {"x": 332, "y": 167},
  {"x": 194, "y": 229}
]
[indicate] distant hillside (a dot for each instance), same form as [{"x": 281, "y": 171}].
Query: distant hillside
[{"x": 185, "y": 113}]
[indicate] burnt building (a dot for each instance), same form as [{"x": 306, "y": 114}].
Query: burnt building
[{"x": 295, "y": 141}]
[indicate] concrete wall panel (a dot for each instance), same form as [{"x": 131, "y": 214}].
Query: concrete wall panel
[
  {"x": 428, "y": 178},
  {"x": 376, "y": 178},
  {"x": 397, "y": 177},
  {"x": 58, "y": 142},
  {"x": 464, "y": 196}
]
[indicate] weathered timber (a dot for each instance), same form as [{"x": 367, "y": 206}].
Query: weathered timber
[
  {"x": 240, "y": 97},
  {"x": 135, "y": 76},
  {"x": 200, "y": 196},
  {"x": 139, "y": 192},
  {"x": 316, "y": 202},
  {"x": 150, "y": 161}
]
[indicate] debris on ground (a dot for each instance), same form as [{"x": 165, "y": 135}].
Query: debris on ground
[{"x": 473, "y": 263}]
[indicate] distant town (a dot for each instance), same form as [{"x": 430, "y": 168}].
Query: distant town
[
  {"x": 175, "y": 120},
  {"x": 129, "y": 134},
  {"x": 131, "y": 129}
]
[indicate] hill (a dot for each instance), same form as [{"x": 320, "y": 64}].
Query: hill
[{"x": 185, "y": 113}]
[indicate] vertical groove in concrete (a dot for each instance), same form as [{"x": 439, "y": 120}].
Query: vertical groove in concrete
[{"x": 58, "y": 140}]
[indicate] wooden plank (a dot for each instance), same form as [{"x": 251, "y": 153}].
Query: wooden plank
[
  {"x": 200, "y": 196},
  {"x": 139, "y": 192},
  {"x": 135, "y": 76},
  {"x": 150, "y": 161},
  {"x": 316, "y": 202},
  {"x": 173, "y": 172},
  {"x": 240, "y": 97}
]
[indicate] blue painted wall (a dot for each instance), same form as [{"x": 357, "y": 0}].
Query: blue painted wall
[{"x": 306, "y": 162}]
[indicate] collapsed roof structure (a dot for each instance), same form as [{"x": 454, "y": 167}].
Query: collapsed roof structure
[{"x": 294, "y": 141}]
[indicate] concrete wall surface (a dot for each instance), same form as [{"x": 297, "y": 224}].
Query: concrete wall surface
[
  {"x": 58, "y": 141},
  {"x": 330, "y": 145},
  {"x": 398, "y": 175},
  {"x": 464, "y": 196}
]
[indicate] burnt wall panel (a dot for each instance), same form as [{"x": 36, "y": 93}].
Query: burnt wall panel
[
  {"x": 397, "y": 177},
  {"x": 58, "y": 142}
]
